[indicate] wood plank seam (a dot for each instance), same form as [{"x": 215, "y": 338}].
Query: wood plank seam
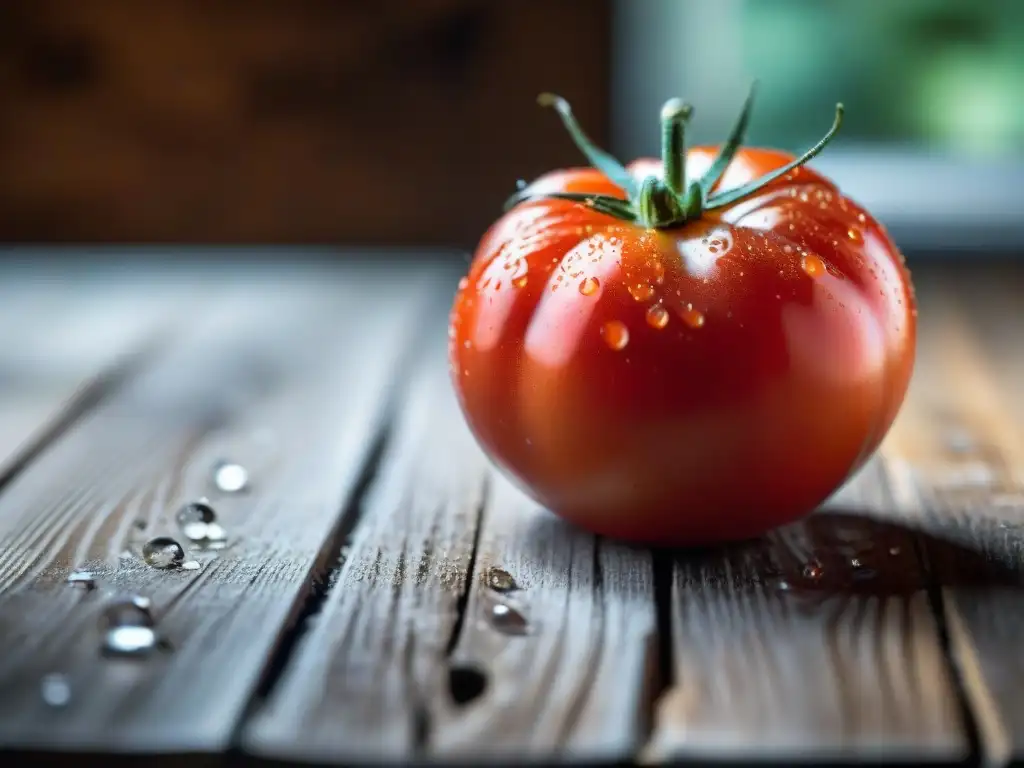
[
  {"x": 662, "y": 677},
  {"x": 326, "y": 570},
  {"x": 944, "y": 612},
  {"x": 462, "y": 605}
]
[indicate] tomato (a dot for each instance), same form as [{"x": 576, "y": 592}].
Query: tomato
[{"x": 685, "y": 351}]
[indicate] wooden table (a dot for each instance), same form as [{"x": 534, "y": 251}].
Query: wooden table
[{"x": 383, "y": 594}]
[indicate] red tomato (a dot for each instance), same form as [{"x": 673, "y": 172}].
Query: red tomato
[{"x": 680, "y": 359}]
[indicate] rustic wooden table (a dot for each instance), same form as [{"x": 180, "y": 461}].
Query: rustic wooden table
[{"x": 370, "y": 589}]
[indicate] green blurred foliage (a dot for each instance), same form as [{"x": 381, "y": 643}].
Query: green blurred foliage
[{"x": 948, "y": 74}]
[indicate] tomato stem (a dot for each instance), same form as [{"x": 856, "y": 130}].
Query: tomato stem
[
  {"x": 658, "y": 206},
  {"x": 674, "y": 116},
  {"x": 598, "y": 158},
  {"x": 670, "y": 202},
  {"x": 731, "y": 146},
  {"x": 734, "y": 195}
]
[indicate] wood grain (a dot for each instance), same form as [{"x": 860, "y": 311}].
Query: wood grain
[
  {"x": 572, "y": 680},
  {"x": 957, "y": 457},
  {"x": 64, "y": 337},
  {"x": 357, "y": 685},
  {"x": 285, "y": 375},
  {"x": 408, "y": 656},
  {"x": 815, "y": 643}
]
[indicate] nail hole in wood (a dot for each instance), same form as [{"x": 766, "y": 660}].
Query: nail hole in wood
[{"x": 466, "y": 684}]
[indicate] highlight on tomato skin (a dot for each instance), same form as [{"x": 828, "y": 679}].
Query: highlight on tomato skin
[{"x": 682, "y": 351}]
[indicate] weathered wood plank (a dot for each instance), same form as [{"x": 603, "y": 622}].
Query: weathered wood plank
[
  {"x": 358, "y": 682},
  {"x": 409, "y": 656},
  {"x": 814, "y": 643},
  {"x": 63, "y": 337},
  {"x": 568, "y": 656},
  {"x": 956, "y": 456},
  {"x": 288, "y": 375}
]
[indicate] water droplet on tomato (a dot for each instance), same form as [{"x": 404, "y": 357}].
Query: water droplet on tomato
[
  {"x": 693, "y": 317},
  {"x": 615, "y": 335},
  {"x": 659, "y": 272},
  {"x": 657, "y": 316},
  {"x": 855, "y": 235},
  {"x": 463, "y": 283},
  {"x": 641, "y": 291},
  {"x": 804, "y": 197},
  {"x": 787, "y": 249},
  {"x": 520, "y": 269},
  {"x": 812, "y": 265},
  {"x": 589, "y": 286},
  {"x": 861, "y": 218}
]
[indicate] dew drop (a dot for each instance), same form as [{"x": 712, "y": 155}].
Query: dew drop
[
  {"x": 82, "y": 580},
  {"x": 812, "y": 265},
  {"x": 127, "y": 612},
  {"x": 520, "y": 270},
  {"x": 589, "y": 286},
  {"x": 229, "y": 477},
  {"x": 855, "y": 235},
  {"x": 129, "y": 641},
  {"x": 55, "y": 690},
  {"x": 657, "y": 316},
  {"x": 641, "y": 291},
  {"x": 198, "y": 522},
  {"x": 693, "y": 317},
  {"x": 500, "y": 580},
  {"x": 813, "y": 570},
  {"x": 508, "y": 620},
  {"x": 196, "y": 512},
  {"x": 163, "y": 552},
  {"x": 615, "y": 335}
]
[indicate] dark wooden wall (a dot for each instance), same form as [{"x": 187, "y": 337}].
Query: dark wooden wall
[{"x": 394, "y": 121}]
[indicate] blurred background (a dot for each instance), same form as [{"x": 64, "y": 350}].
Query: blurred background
[{"x": 408, "y": 123}]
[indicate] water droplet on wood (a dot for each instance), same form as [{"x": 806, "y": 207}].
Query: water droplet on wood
[
  {"x": 82, "y": 580},
  {"x": 500, "y": 580},
  {"x": 198, "y": 521},
  {"x": 129, "y": 641},
  {"x": 229, "y": 477},
  {"x": 163, "y": 552},
  {"x": 508, "y": 620},
  {"x": 55, "y": 690},
  {"x": 127, "y": 626}
]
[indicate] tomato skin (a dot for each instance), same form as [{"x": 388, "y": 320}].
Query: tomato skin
[{"x": 684, "y": 386}]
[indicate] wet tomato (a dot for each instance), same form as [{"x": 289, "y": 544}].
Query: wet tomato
[{"x": 684, "y": 351}]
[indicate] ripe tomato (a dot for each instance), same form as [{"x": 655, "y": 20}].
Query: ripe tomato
[{"x": 687, "y": 351}]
